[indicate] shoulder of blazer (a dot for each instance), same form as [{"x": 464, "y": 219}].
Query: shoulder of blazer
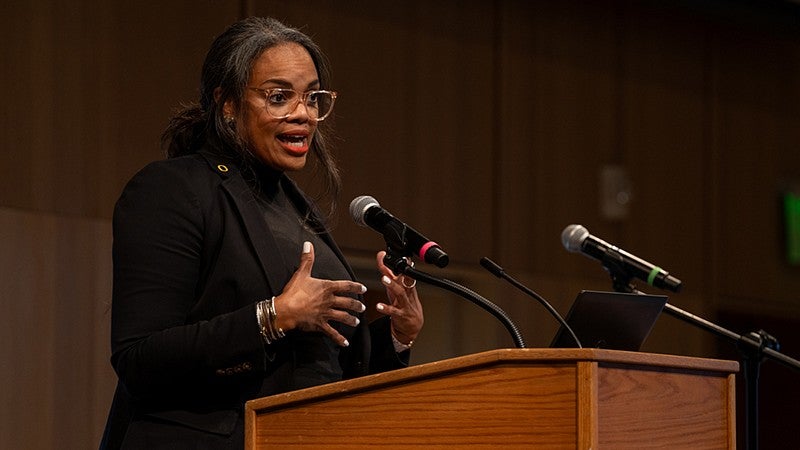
[
  {"x": 225, "y": 167},
  {"x": 189, "y": 168}
]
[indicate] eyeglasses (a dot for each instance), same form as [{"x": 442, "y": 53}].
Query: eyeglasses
[{"x": 281, "y": 103}]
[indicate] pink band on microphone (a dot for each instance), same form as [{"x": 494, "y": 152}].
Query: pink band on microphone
[{"x": 425, "y": 248}]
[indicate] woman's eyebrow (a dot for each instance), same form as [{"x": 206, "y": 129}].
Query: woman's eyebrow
[{"x": 287, "y": 84}]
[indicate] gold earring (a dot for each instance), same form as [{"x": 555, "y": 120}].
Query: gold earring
[{"x": 229, "y": 120}]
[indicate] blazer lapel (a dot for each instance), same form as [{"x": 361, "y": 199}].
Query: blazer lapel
[{"x": 258, "y": 234}]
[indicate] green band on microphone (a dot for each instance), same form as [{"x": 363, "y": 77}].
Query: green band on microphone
[{"x": 653, "y": 274}]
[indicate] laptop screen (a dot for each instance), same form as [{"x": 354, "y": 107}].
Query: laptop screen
[{"x": 610, "y": 320}]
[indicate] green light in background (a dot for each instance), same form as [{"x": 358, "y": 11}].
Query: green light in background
[{"x": 791, "y": 214}]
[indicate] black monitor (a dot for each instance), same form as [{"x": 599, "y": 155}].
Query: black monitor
[{"x": 610, "y": 320}]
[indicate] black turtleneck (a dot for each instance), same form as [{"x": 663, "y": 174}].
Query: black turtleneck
[{"x": 315, "y": 356}]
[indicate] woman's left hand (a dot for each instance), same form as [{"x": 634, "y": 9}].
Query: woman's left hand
[{"x": 404, "y": 306}]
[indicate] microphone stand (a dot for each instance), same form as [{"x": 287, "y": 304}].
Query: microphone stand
[
  {"x": 754, "y": 347},
  {"x": 400, "y": 265}
]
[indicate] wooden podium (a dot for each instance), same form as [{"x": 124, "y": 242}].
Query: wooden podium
[{"x": 514, "y": 398}]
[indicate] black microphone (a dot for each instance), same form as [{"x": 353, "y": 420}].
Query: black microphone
[
  {"x": 576, "y": 238},
  {"x": 401, "y": 238},
  {"x": 498, "y": 271}
]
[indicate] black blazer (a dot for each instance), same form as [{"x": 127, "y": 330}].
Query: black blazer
[{"x": 192, "y": 255}]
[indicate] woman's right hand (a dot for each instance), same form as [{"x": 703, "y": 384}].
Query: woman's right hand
[{"x": 308, "y": 303}]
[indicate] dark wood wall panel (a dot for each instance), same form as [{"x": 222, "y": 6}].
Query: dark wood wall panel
[
  {"x": 54, "y": 342},
  {"x": 758, "y": 126},
  {"x": 559, "y": 90},
  {"x": 663, "y": 126},
  {"x": 90, "y": 87}
]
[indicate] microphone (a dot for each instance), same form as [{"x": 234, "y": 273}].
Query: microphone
[
  {"x": 576, "y": 238},
  {"x": 498, "y": 271},
  {"x": 401, "y": 238}
]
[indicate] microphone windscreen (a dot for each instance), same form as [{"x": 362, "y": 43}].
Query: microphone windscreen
[
  {"x": 492, "y": 267},
  {"x": 359, "y": 207},
  {"x": 573, "y": 236}
]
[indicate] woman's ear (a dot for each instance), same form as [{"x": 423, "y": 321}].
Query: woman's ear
[{"x": 227, "y": 108}]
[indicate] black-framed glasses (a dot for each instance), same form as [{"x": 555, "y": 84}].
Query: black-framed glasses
[{"x": 281, "y": 103}]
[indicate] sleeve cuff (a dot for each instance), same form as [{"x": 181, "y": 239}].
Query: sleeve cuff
[{"x": 399, "y": 347}]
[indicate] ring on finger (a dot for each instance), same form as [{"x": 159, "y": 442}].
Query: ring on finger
[
  {"x": 404, "y": 278},
  {"x": 408, "y": 286}
]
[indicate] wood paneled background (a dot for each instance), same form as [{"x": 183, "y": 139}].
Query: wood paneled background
[{"x": 485, "y": 124}]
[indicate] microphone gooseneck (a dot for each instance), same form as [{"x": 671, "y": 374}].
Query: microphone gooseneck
[
  {"x": 403, "y": 241},
  {"x": 498, "y": 271},
  {"x": 401, "y": 265}
]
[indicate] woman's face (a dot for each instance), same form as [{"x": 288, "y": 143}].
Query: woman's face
[{"x": 280, "y": 143}]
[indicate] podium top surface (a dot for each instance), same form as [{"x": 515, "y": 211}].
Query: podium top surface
[{"x": 500, "y": 357}]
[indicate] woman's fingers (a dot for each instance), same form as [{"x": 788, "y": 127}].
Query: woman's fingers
[
  {"x": 344, "y": 287},
  {"x": 403, "y": 305},
  {"x": 309, "y": 304},
  {"x": 330, "y": 331},
  {"x": 341, "y": 315},
  {"x": 306, "y": 259}
]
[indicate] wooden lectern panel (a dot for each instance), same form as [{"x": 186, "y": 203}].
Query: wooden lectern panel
[
  {"x": 554, "y": 398},
  {"x": 684, "y": 409}
]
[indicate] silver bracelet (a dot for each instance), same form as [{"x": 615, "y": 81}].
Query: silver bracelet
[
  {"x": 262, "y": 322},
  {"x": 273, "y": 316},
  {"x": 266, "y": 316}
]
